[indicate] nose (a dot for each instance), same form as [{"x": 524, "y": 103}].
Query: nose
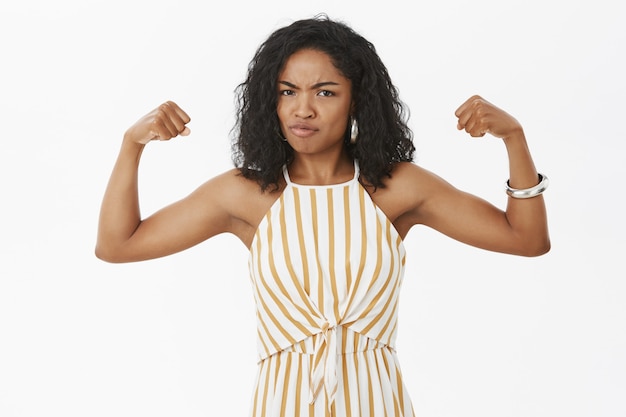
[{"x": 304, "y": 107}]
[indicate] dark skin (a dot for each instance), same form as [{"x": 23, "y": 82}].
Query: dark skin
[{"x": 314, "y": 107}]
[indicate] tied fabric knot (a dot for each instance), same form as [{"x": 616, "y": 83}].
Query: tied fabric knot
[{"x": 324, "y": 372}]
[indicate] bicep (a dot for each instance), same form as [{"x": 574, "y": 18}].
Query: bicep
[
  {"x": 467, "y": 218},
  {"x": 178, "y": 226}
]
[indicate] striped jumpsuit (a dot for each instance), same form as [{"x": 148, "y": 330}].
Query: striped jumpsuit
[{"x": 326, "y": 267}]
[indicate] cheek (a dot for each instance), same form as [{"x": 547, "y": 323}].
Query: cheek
[
  {"x": 283, "y": 107},
  {"x": 280, "y": 109},
  {"x": 342, "y": 117}
]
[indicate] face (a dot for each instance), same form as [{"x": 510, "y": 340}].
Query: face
[{"x": 314, "y": 102}]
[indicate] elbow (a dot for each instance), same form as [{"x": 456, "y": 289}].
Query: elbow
[
  {"x": 106, "y": 254},
  {"x": 102, "y": 254},
  {"x": 116, "y": 253},
  {"x": 537, "y": 249}
]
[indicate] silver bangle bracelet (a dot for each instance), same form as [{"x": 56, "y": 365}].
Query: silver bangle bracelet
[{"x": 528, "y": 192}]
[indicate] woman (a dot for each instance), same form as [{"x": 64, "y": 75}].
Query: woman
[{"x": 323, "y": 194}]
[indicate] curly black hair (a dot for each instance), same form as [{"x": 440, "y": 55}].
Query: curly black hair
[{"x": 259, "y": 151}]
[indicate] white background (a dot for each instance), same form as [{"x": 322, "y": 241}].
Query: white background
[{"x": 481, "y": 334}]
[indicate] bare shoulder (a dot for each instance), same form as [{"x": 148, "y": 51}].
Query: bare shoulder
[
  {"x": 408, "y": 185},
  {"x": 405, "y": 192},
  {"x": 242, "y": 199},
  {"x": 408, "y": 172}
]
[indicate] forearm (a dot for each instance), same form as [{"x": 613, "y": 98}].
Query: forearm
[
  {"x": 119, "y": 212},
  {"x": 527, "y": 217}
]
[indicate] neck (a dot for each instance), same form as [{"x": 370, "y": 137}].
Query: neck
[{"x": 308, "y": 170}]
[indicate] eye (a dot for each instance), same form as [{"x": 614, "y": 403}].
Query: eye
[
  {"x": 326, "y": 93},
  {"x": 286, "y": 92}
]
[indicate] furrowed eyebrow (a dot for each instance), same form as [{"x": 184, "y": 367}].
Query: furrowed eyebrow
[
  {"x": 324, "y": 84},
  {"x": 318, "y": 85}
]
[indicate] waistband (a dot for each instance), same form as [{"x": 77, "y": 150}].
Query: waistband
[{"x": 324, "y": 348}]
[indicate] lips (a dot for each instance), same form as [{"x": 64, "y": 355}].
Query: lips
[{"x": 302, "y": 130}]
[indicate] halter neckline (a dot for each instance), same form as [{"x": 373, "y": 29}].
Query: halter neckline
[{"x": 355, "y": 178}]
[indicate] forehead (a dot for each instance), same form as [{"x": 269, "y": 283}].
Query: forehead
[{"x": 307, "y": 64}]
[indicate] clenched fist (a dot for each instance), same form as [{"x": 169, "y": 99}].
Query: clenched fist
[
  {"x": 478, "y": 116},
  {"x": 163, "y": 123}
]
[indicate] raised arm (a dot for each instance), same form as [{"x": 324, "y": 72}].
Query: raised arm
[
  {"x": 526, "y": 212},
  {"x": 521, "y": 229},
  {"x": 122, "y": 235}
]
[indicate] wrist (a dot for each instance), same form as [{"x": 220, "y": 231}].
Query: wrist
[
  {"x": 131, "y": 149},
  {"x": 515, "y": 136},
  {"x": 129, "y": 143}
]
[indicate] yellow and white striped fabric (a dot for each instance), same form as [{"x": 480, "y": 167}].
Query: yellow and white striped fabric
[{"x": 326, "y": 267}]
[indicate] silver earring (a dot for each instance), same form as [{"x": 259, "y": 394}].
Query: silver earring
[{"x": 354, "y": 132}]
